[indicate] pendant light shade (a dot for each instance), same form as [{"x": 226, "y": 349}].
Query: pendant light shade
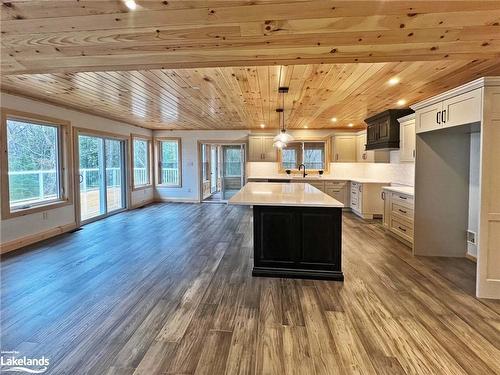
[
  {"x": 279, "y": 144},
  {"x": 283, "y": 137}
]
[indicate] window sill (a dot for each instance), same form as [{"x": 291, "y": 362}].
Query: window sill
[
  {"x": 142, "y": 187},
  {"x": 9, "y": 214},
  {"x": 168, "y": 186}
]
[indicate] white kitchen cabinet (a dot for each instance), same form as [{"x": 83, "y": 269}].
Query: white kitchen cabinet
[
  {"x": 361, "y": 153},
  {"x": 463, "y": 108},
  {"x": 428, "y": 118},
  {"x": 363, "y": 156},
  {"x": 407, "y": 139},
  {"x": 398, "y": 215},
  {"x": 344, "y": 148},
  {"x": 338, "y": 190},
  {"x": 260, "y": 148},
  {"x": 366, "y": 199}
]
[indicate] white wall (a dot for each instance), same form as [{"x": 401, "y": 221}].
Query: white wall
[
  {"x": 190, "y": 189},
  {"x": 32, "y": 224},
  {"x": 475, "y": 154}
]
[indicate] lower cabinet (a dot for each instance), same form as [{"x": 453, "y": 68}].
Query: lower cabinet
[
  {"x": 337, "y": 189},
  {"x": 398, "y": 215},
  {"x": 298, "y": 242},
  {"x": 366, "y": 199}
]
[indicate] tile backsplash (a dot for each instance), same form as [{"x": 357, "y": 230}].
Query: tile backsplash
[{"x": 400, "y": 174}]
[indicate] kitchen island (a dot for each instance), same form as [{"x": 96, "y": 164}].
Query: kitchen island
[{"x": 297, "y": 230}]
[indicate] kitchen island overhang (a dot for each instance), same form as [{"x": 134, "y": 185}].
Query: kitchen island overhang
[{"x": 297, "y": 230}]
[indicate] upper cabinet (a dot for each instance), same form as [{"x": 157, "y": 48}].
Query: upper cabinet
[
  {"x": 344, "y": 148},
  {"x": 363, "y": 156},
  {"x": 260, "y": 148},
  {"x": 463, "y": 108},
  {"x": 383, "y": 129},
  {"x": 361, "y": 153},
  {"x": 407, "y": 138}
]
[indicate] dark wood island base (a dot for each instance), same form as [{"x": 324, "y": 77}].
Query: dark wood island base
[{"x": 298, "y": 242}]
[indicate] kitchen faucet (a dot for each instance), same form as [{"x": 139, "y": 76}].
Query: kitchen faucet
[{"x": 300, "y": 166}]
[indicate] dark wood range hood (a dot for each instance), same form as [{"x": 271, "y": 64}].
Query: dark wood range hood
[{"x": 383, "y": 129}]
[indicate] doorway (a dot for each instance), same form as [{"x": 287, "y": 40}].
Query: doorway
[
  {"x": 222, "y": 171},
  {"x": 102, "y": 176}
]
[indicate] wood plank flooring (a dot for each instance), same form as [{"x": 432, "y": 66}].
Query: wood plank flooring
[{"x": 168, "y": 290}]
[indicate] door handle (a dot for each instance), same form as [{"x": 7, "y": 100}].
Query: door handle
[
  {"x": 443, "y": 116},
  {"x": 81, "y": 178},
  {"x": 438, "y": 117}
]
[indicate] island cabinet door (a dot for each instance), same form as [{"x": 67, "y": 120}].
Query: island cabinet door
[
  {"x": 276, "y": 241},
  {"x": 303, "y": 238},
  {"x": 320, "y": 238}
]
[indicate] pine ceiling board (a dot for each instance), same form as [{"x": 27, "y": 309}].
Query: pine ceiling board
[
  {"x": 73, "y": 36},
  {"x": 234, "y": 98}
]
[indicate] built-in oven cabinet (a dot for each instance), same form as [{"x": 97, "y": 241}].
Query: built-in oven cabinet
[{"x": 458, "y": 110}]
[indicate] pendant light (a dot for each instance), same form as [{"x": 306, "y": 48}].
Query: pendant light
[{"x": 283, "y": 137}]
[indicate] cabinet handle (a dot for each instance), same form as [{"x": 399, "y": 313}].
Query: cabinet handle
[
  {"x": 402, "y": 197},
  {"x": 413, "y": 154},
  {"x": 438, "y": 117},
  {"x": 382, "y": 195},
  {"x": 336, "y": 156},
  {"x": 443, "y": 116},
  {"x": 403, "y": 229},
  {"x": 403, "y": 211}
]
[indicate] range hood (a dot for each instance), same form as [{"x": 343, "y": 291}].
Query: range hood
[{"x": 383, "y": 129}]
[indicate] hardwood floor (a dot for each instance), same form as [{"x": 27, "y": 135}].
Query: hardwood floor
[{"x": 168, "y": 290}]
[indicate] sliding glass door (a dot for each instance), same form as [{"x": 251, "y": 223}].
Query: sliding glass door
[
  {"x": 102, "y": 176},
  {"x": 233, "y": 166}
]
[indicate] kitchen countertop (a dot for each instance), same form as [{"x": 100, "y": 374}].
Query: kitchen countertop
[
  {"x": 318, "y": 178},
  {"x": 408, "y": 190},
  {"x": 283, "y": 194}
]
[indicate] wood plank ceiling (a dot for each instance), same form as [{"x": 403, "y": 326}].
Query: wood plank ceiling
[{"x": 206, "y": 64}]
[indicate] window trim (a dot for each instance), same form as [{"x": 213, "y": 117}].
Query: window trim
[
  {"x": 149, "y": 184},
  {"x": 327, "y": 142},
  {"x": 64, "y": 167},
  {"x": 157, "y": 142}
]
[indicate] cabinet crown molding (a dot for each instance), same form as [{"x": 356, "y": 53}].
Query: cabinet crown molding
[
  {"x": 478, "y": 83},
  {"x": 409, "y": 117}
]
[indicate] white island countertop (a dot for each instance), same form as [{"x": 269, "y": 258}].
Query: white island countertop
[{"x": 283, "y": 194}]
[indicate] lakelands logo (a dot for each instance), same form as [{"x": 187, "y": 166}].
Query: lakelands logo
[{"x": 12, "y": 362}]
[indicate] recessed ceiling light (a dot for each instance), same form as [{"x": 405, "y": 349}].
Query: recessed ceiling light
[
  {"x": 130, "y": 4},
  {"x": 351, "y": 125},
  {"x": 262, "y": 125},
  {"x": 394, "y": 81},
  {"x": 333, "y": 119},
  {"x": 401, "y": 102}
]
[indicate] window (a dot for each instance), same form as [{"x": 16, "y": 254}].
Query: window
[
  {"x": 314, "y": 155},
  {"x": 169, "y": 153},
  {"x": 205, "y": 164},
  {"x": 141, "y": 151},
  {"x": 34, "y": 164},
  {"x": 310, "y": 153}
]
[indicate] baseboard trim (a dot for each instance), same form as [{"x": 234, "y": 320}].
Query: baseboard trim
[
  {"x": 471, "y": 257},
  {"x": 31, "y": 239},
  {"x": 141, "y": 204},
  {"x": 176, "y": 200}
]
